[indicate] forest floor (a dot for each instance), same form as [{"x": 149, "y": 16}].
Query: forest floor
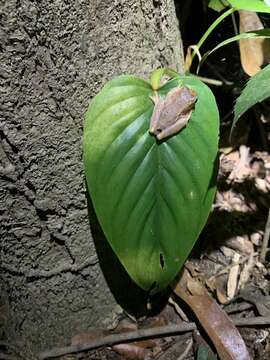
[
  {"x": 226, "y": 260},
  {"x": 227, "y": 257}
]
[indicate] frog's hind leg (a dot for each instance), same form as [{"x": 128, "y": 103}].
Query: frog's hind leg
[{"x": 176, "y": 127}]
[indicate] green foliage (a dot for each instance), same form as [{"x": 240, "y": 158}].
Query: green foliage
[
  {"x": 218, "y": 5},
  {"x": 151, "y": 198},
  {"x": 203, "y": 354},
  {"x": 251, "y": 5},
  {"x": 264, "y": 33},
  {"x": 256, "y": 90}
]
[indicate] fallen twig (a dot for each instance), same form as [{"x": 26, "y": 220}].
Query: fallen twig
[
  {"x": 120, "y": 338},
  {"x": 227, "y": 268},
  {"x": 140, "y": 334},
  {"x": 186, "y": 351},
  {"x": 211, "y": 81}
]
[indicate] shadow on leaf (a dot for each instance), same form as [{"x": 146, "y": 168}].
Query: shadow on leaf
[{"x": 127, "y": 294}]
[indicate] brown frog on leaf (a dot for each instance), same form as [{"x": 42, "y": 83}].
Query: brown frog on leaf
[{"x": 171, "y": 114}]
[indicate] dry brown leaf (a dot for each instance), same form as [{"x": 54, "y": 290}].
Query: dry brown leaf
[
  {"x": 136, "y": 350},
  {"x": 178, "y": 310},
  {"x": 262, "y": 185},
  {"x": 224, "y": 335},
  {"x": 242, "y": 168},
  {"x": 193, "y": 269},
  {"x": 226, "y": 150},
  {"x": 154, "y": 321},
  {"x": 245, "y": 274},
  {"x": 261, "y": 267},
  {"x": 253, "y": 52},
  {"x": 256, "y": 238},
  {"x": 221, "y": 296},
  {"x": 229, "y": 253},
  {"x": 233, "y": 156},
  {"x": 240, "y": 243},
  {"x": 125, "y": 325},
  {"x": 147, "y": 344},
  {"x": 188, "y": 59},
  {"x": 232, "y": 284},
  {"x": 87, "y": 336},
  {"x": 221, "y": 289},
  {"x": 132, "y": 352},
  {"x": 233, "y": 201},
  {"x": 218, "y": 285}
]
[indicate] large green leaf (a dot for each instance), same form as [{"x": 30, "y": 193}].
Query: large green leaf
[
  {"x": 218, "y": 5},
  {"x": 263, "y": 33},
  {"x": 151, "y": 198},
  {"x": 250, "y": 5},
  {"x": 256, "y": 90}
]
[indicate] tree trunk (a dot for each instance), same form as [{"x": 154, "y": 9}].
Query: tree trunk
[{"x": 56, "y": 55}]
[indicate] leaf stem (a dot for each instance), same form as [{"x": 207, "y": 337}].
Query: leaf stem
[
  {"x": 157, "y": 75},
  {"x": 210, "y": 29}
]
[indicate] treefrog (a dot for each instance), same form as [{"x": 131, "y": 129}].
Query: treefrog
[{"x": 171, "y": 114}]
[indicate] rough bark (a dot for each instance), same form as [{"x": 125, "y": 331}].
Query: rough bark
[{"x": 55, "y": 56}]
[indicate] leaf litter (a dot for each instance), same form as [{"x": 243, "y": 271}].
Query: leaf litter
[{"x": 229, "y": 267}]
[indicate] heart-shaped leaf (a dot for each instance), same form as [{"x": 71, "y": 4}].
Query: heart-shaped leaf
[{"x": 151, "y": 198}]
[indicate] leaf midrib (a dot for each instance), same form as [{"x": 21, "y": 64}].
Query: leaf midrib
[{"x": 158, "y": 203}]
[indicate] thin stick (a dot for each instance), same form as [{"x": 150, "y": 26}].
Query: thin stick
[
  {"x": 163, "y": 331},
  {"x": 120, "y": 338},
  {"x": 187, "y": 350},
  {"x": 228, "y": 267},
  {"x": 255, "y": 321},
  {"x": 211, "y": 81},
  {"x": 265, "y": 239}
]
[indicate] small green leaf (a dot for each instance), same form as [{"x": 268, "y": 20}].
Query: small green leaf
[
  {"x": 250, "y": 5},
  {"x": 203, "y": 354},
  {"x": 264, "y": 33},
  {"x": 256, "y": 90},
  {"x": 218, "y": 5},
  {"x": 152, "y": 198}
]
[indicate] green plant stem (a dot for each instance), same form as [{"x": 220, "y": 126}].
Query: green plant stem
[
  {"x": 211, "y": 28},
  {"x": 157, "y": 75}
]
